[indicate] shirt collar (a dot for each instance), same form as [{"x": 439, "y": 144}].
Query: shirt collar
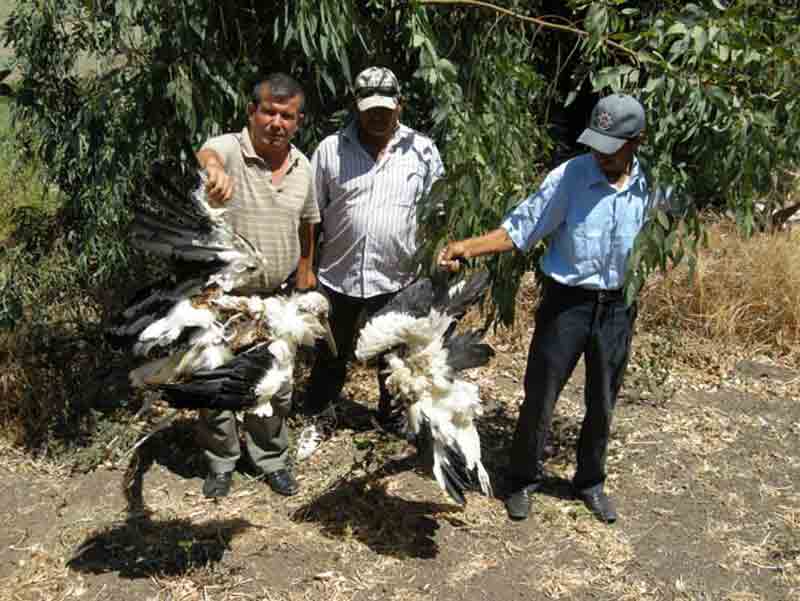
[
  {"x": 596, "y": 175},
  {"x": 350, "y": 132},
  {"x": 249, "y": 152}
]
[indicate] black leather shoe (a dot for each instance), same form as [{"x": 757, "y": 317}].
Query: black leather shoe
[
  {"x": 217, "y": 484},
  {"x": 599, "y": 504},
  {"x": 282, "y": 482},
  {"x": 518, "y": 503}
]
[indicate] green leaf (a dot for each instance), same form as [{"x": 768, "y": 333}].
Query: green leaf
[
  {"x": 662, "y": 219},
  {"x": 678, "y": 29},
  {"x": 700, "y": 37}
]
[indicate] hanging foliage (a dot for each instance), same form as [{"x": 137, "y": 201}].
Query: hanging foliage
[{"x": 106, "y": 86}]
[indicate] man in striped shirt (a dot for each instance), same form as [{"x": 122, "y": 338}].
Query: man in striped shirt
[
  {"x": 266, "y": 183},
  {"x": 368, "y": 178}
]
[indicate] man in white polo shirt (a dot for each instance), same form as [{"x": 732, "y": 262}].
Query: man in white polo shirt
[
  {"x": 368, "y": 178},
  {"x": 266, "y": 183}
]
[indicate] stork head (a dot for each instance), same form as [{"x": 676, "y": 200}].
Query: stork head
[{"x": 317, "y": 306}]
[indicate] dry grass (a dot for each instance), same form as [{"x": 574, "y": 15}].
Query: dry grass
[{"x": 745, "y": 293}]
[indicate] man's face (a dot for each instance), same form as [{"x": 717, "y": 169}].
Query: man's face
[
  {"x": 613, "y": 165},
  {"x": 274, "y": 121},
  {"x": 378, "y": 122}
]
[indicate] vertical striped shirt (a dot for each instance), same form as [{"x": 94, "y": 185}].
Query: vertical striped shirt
[
  {"x": 369, "y": 209},
  {"x": 267, "y": 215}
]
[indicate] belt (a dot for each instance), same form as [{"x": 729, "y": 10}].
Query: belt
[{"x": 601, "y": 296}]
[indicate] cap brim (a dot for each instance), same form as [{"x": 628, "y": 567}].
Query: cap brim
[
  {"x": 600, "y": 142},
  {"x": 377, "y": 101}
]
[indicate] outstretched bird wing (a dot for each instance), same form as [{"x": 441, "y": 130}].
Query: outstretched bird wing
[
  {"x": 232, "y": 386},
  {"x": 175, "y": 220}
]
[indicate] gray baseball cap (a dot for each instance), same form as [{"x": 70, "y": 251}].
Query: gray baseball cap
[
  {"x": 376, "y": 87},
  {"x": 615, "y": 120}
]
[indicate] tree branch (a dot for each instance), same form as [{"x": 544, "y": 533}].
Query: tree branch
[{"x": 537, "y": 21}]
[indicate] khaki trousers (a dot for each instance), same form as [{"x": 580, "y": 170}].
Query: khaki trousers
[{"x": 266, "y": 439}]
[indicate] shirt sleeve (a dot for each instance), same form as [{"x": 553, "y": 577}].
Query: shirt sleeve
[
  {"x": 226, "y": 146},
  {"x": 538, "y": 215},
  {"x": 310, "y": 212},
  {"x": 320, "y": 190},
  {"x": 435, "y": 168}
]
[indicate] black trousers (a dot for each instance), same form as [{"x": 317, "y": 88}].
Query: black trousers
[
  {"x": 329, "y": 373},
  {"x": 571, "y": 322}
]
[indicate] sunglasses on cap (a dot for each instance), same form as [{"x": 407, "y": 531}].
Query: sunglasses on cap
[{"x": 367, "y": 92}]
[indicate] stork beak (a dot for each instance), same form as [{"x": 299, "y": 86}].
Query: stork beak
[{"x": 329, "y": 338}]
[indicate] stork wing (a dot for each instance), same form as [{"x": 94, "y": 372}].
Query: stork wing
[
  {"x": 465, "y": 351},
  {"x": 175, "y": 220},
  {"x": 425, "y": 294},
  {"x": 425, "y": 310},
  {"x": 461, "y": 296},
  {"x": 231, "y": 386},
  {"x": 449, "y": 444}
]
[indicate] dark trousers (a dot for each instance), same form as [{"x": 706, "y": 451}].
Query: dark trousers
[
  {"x": 329, "y": 372},
  {"x": 571, "y": 322}
]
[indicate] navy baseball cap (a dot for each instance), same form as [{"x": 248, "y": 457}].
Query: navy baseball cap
[{"x": 615, "y": 120}]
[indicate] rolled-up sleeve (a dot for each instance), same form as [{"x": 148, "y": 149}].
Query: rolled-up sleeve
[
  {"x": 538, "y": 215},
  {"x": 227, "y": 146}
]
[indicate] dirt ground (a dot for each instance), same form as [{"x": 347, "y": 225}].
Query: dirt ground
[{"x": 704, "y": 468}]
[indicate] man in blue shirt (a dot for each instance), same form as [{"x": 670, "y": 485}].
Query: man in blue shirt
[{"x": 590, "y": 208}]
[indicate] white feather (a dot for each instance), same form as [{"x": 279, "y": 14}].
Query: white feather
[
  {"x": 276, "y": 377},
  {"x": 419, "y": 375},
  {"x": 167, "y": 329},
  {"x": 451, "y": 414},
  {"x": 393, "y": 329}
]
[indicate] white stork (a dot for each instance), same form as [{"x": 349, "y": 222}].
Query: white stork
[
  {"x": 206, "y": 348},
  {"x": 425, "y": 356}
]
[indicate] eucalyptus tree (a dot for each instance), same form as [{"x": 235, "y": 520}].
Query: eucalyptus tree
[{"x": 106, "y": 86}]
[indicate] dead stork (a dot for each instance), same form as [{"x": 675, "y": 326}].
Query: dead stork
[
  {"x": 204, "y": 346},
  {"x": 425, "y": 355}
]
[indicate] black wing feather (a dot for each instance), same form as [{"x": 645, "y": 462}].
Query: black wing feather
[
  {"x": 472, "y": 291},
  {"x": 229, "y": 387},
  {"x": 465, "y": 351},
  {"x": 416, "y": 300},
  {"x": 457, "y": 478}
]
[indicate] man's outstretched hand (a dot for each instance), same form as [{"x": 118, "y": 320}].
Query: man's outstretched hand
[{"x": 451, "y": 256}]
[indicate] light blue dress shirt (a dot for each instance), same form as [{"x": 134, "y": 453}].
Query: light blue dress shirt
[{"x": 590, "y": 224}]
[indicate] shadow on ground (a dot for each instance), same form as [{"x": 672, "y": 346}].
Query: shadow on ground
[
  {"x": 364, "y": 509},
  {"x": 141, "y": 548},
  {"x": 173, "y": 446},
  {"x": 496, "y": 428}
]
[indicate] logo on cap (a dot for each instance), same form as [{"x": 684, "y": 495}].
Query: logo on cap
[{"x": 604, "y": 121}]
